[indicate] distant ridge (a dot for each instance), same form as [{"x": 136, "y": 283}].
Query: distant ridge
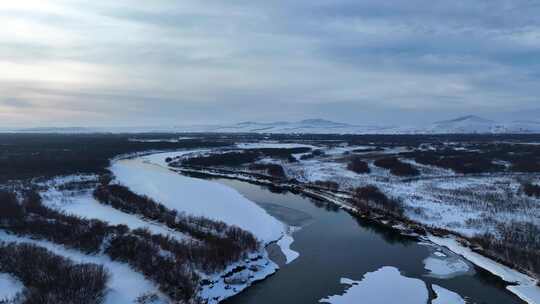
[
  {"x": 470, "y": 118},
  {"x": 469, "y": 124}
]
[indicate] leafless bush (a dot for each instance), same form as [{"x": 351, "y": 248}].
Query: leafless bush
[
  {"x": 370, "y": 197},
  {"x": 517, "y": 243},
  {"x": 49, "y": 278},
  {"x": 359, "y": 166}
]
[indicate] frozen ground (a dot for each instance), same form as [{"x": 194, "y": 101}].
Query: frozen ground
[
  {"x": 9, "y": 286},
  {"x": 382, "y": 286},
  {"x": 125, "y": 284}
]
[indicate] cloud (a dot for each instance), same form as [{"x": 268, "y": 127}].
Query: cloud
[
  {"x": 166, "y": 61},
  {"x": 16, "y": 103}
]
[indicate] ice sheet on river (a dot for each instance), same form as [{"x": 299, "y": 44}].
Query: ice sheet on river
[
  {"x": 445, "y": 267},
  {"x": 197, "y": 197},
  {"x": 382, "y": 286},
  {"x": 526, "y": 287},
  {"x": 445, "y": 296},
  {"x": 285, "y": 244}
]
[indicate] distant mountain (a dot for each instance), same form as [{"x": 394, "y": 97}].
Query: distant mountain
[
  {"x": 475, "y": 124},
  {"x": 470, "y": 124},
  {"x": 311, "y": 126},
  {"x": 56, "y": 130},
  {"x": 467, "y": 119},
  {"x": 465, "y": 124}
]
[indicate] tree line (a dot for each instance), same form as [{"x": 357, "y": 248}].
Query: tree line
[
  {"x": 396, "y": 166},
  {"x": 239, "y": 158},
  {"x": 517, "y": 243},
  {"x": 370, "y": 197},
  {"x": 222, "y": 242}
]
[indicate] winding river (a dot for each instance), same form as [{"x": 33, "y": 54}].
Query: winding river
[
  {"x": 338, "y": 251},
  {"x": 334, "y": 245}
]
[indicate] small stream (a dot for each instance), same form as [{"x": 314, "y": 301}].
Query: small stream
[{"x": 334, "y": 245}]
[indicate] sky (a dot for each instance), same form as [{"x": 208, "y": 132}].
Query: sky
[{"x": 178, "y": 62}]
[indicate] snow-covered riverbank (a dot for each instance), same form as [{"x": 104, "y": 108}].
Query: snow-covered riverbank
[{"x": 525, "y": 287}]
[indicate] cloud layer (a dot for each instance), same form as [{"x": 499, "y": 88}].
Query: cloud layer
[{"x": 75, "y": 62}]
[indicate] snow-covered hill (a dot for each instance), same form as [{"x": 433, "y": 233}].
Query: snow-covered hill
[
  {"x": 474, "y": 124},
  {"x": 470, "y": 124},
  {"x": 463, "y": 125},
  {"x": 313, "y": 126}
]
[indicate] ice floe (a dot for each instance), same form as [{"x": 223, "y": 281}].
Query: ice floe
[
  {"x": 445, "y": 296},
  {"x": 382, "y": 286}
]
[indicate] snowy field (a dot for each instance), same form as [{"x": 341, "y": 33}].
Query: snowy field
[
  {"x": 439, "y": 197},
  {"x": 125, "y": 284}
]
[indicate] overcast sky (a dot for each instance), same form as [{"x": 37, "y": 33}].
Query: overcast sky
[{"x": 163, "y": 62}]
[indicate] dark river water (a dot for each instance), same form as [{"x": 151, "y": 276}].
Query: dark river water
[{"x": 334, "y": 245}]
